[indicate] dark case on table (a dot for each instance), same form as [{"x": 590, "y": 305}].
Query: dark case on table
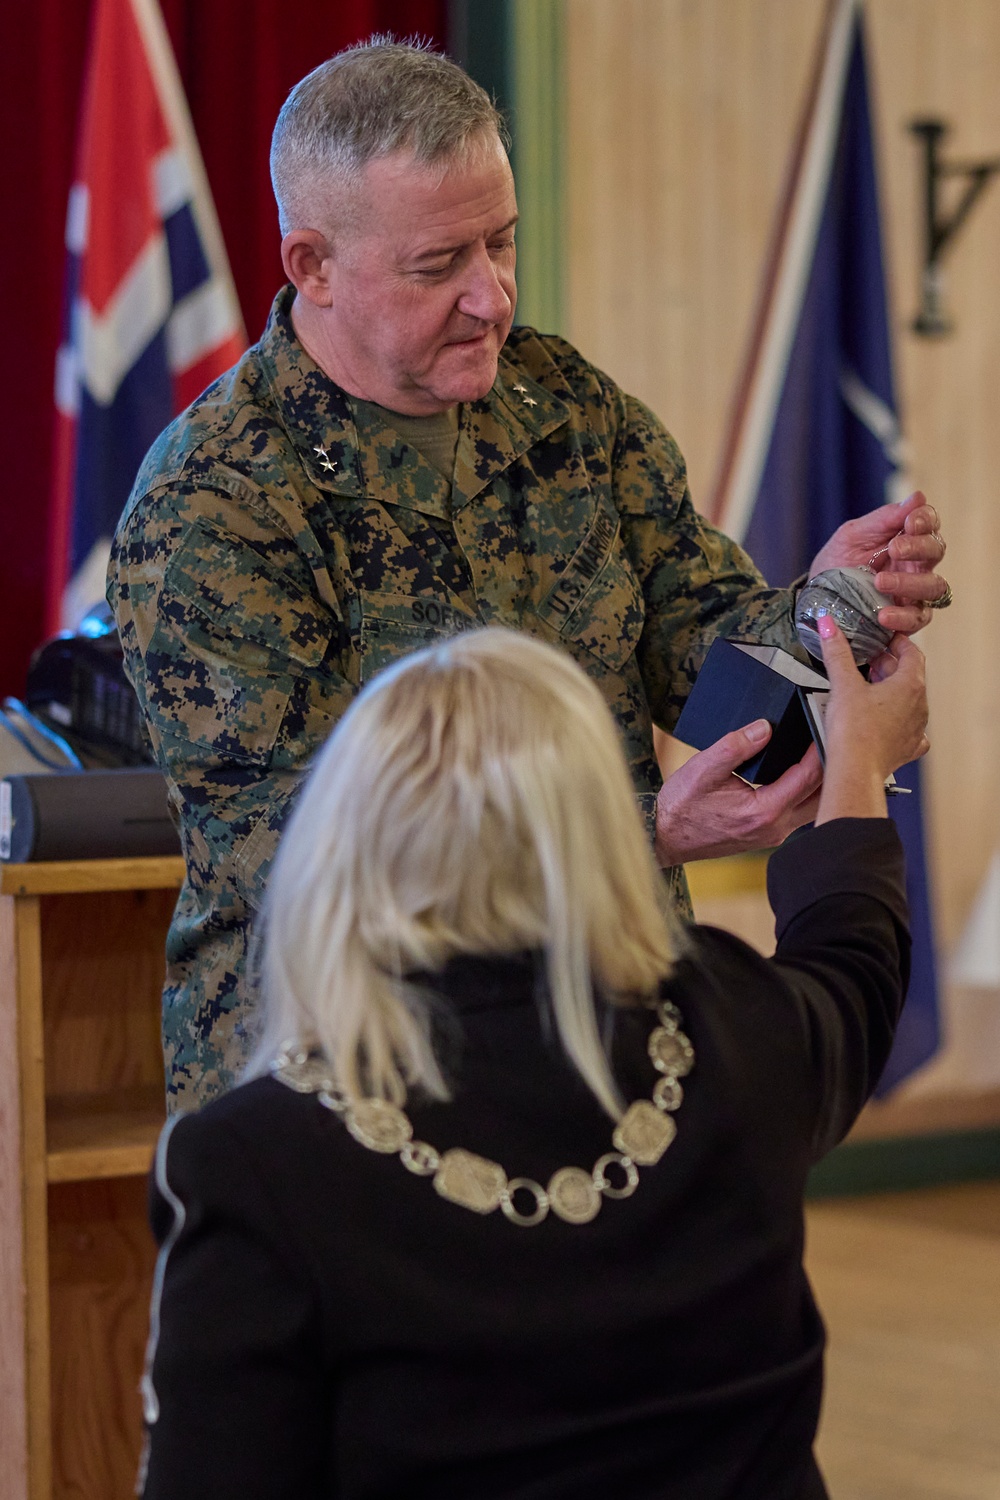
[{"x": 121, "y": 813}]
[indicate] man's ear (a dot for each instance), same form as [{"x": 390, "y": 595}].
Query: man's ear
[{"x": 307, "y": 258}]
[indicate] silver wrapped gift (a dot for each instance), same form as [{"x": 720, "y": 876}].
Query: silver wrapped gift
[{"x": 850, "y": 596}]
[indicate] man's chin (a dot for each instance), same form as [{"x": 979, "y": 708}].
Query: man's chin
[{"x": 468, "y": 385}]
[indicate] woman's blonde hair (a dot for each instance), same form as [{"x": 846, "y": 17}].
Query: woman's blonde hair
[{"x": 475, "y": 799}]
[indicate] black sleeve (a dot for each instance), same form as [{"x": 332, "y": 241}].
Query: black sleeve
[
  {"x": 235, "y": 1398},
  {"x": 839, "y": 899}
]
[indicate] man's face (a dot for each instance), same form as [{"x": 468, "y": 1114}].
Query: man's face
[{"x": 423, "y": 288}]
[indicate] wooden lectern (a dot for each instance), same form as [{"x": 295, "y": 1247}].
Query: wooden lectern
[{"x": 81, "y": 1105}]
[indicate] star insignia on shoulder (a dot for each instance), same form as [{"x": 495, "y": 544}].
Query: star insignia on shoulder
[{"x": 328, "y": 464}]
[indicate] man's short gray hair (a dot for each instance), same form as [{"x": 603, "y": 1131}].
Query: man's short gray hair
[{"x": 366, "y": 102}]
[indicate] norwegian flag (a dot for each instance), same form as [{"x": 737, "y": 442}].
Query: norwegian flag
[{"x": 150, "y": 315}]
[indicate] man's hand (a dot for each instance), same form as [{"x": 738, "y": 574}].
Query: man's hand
[
  {"x": 911, "y": 547},
  {"x": 704, "y": 811}
]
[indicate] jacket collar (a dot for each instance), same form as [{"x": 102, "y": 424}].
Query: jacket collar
[
  {"x": 348, "y": 452},
  {"x": 483, "y": 981}
]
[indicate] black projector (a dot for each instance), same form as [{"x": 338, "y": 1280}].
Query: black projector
[{"x": 115, "y": 814}]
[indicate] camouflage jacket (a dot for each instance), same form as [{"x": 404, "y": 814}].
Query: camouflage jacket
[{"x": 282, "y": 544}]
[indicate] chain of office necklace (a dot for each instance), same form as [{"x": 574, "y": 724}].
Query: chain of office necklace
[{"x": 641, "y": 1137}]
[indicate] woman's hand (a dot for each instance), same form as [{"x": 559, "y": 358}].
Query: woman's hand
[{"x": 871, "y": 728}]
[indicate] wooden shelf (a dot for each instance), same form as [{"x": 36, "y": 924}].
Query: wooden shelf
[
  {"x": 102, "y": 1135},
  {"x": 81, "y": 1108},
  {"x": 59, "y": 877}
]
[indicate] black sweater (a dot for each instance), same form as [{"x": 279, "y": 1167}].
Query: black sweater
[{"x": 329, "y": 1326}]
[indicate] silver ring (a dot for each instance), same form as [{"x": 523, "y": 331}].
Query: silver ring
[
  {"x": 541, "y": 1197},
  {"x": 944, "y": 601},
  {"x": 333, "y": 1099},
  {"x": 670, "y": 1016},
  {"x": 419, "y": 1158},
  {"x": 628, "y": 1166},
  {"x": 668, "y": 1094}
]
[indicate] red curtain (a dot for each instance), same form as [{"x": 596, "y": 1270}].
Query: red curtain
[{"x": 237, "y": 62}]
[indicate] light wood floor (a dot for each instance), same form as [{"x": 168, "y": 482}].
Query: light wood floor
[{"x": 909, "y": 1285}]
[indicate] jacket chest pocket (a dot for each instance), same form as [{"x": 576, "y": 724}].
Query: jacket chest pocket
[
  {"x": 394, "y": 625},
  {"x": 596, "y": 604}
]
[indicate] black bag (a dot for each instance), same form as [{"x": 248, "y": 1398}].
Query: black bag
[{"x": 77, "y": 687}]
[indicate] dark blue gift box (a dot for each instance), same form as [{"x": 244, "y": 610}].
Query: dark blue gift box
[{"x": 739, "y": 683}]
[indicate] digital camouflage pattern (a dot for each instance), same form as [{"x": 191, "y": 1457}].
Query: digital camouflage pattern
[{"x": 282, "y": 544}]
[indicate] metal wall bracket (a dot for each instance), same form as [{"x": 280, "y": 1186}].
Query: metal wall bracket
[{"x": 940, "y": 229}]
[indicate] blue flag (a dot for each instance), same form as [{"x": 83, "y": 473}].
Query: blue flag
[{"x": 816, "y": 439}]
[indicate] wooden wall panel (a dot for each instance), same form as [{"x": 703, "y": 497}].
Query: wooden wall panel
[
  {"x": 942, "y": 57},
  {"x": 680, "y": 118}
]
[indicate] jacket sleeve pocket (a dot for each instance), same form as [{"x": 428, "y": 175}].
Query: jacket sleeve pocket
[
  {"x": 596, "y": 604},
  {"x": 233, "y": 634}
]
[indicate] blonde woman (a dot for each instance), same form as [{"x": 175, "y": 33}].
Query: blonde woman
[{"x": 512, "y": 1204}]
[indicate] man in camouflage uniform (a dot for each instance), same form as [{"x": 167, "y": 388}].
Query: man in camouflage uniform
[{"x": 392, "y": 463}]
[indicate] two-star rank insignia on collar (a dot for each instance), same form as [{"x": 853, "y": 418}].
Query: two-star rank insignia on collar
[
  {"x": 328, "y": 463},
  {"x": 522, "y": 390}
]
